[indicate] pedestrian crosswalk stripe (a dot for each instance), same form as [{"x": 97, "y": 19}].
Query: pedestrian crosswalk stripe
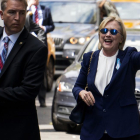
[
  {"x": 47, "y": 126},
  {"x": 47, "y": 103}
]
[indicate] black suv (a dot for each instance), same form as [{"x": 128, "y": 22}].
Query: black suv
[{"x": 75, "y": 22}]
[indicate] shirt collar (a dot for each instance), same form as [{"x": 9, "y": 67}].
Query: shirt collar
[
  {"x": 33, "y": 7},
  {"x": 13, "y": 38},
  {"x": 101, "y": 54}
]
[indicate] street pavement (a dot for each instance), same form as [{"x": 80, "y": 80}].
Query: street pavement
[{"x": 45, "y": 124}]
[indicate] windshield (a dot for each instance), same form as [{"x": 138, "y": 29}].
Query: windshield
[
  {"x": 128, "y": 10},
  {"x": 76, "y": 12},
  {"x": 131, "y": 41},
  {"x": 92, "y": 46}
]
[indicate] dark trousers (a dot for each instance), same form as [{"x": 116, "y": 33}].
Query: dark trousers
[
  {"x": 42, "y": 94},
  {"x": 107, "y": 137}
]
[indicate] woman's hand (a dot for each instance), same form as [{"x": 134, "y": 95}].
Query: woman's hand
[{"x": 87, "y": 97}]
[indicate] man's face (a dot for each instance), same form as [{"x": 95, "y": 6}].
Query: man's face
[{"x": 14, "y": 16}]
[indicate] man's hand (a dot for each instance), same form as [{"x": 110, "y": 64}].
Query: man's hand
[
  {"x": 43, "y": 27},
  {"x": 87, "y": 97}
]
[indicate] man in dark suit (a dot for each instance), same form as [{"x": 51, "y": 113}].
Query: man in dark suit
[
  {"x": 22, "y": 63},
  {"x": 33, "y": 27},
  {"x": 42, "y": 17}
]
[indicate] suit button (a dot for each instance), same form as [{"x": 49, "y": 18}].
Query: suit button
[
  {"x": 105, "y": 96},
  {"x": 104, "y": 110}
]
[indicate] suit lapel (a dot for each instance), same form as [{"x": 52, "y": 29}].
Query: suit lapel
[
  {"x": 1, "y": 31},
  {"x": 93, "y": 68},
  {"x": 120, "y": 56},
  {"x": 115, "y": 72},
  {"x": 19, "y": 43},
  {"x": 43, "y": 13}
]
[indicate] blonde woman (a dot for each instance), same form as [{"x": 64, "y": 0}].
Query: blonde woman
[{"x": 112, "y": 112}]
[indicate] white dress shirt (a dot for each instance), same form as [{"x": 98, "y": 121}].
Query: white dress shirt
[
  {"x": 13, "y": 38},
  {"x": 104, "y": 71}
]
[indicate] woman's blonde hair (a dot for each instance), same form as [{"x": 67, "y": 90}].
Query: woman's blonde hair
[{"x": 122, "y": 31}]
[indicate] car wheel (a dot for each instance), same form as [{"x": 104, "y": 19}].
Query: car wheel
[
  {"x": 49, "y": 75},
  {"x": 58, "y": 126},
  {"x": 72, "y": 127}
]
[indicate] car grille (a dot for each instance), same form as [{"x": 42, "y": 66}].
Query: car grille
[
  {"x": 58, "y": 41},
  {"x": 137, "y": 94}
]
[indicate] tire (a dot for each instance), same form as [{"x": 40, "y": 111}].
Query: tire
[
  {"x": 49, "y": 75},
  {"x": 73, "y": 128},
  {"x": 58, "y": 126}
]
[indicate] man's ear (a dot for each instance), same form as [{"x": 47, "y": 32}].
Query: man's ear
[{"x": 1, "y": 14}]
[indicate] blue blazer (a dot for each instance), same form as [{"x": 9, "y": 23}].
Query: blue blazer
[{"x": 116, "y": 111}]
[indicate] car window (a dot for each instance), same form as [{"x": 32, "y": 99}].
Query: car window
[
  {"x": 128, "y": 10},
  {"x": 75, "y": 12},
  {"x": 132, "y": 40},
  {"x": 92, "y": 46}
]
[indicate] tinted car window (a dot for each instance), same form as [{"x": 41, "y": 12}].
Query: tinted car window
[
  {"x": 128, "y": 10},
  {"x": 72, "y": 11}
]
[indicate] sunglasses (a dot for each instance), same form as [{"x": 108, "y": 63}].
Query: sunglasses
[{"x": 112, "y": 31}]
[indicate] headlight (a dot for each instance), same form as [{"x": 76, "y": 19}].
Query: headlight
[
  {"x": 137, "y": 96},
  {"x": 65, "y": 87},
  {"x": 137, "y": 93},
  {"x": 138, "y": 101},
  {"x": 80, "y": 40},
  {"x": 87, "y": 38},
  {"x": 73, "y": 40}
]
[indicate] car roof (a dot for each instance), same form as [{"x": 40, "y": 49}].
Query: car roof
[
  {"x": 69, "y": 0},
  {"x": 133, "y": 31},
  {"x": 125, "y": 0}
]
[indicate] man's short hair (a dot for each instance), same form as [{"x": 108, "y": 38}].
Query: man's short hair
[{"x": 4, "y": 3}]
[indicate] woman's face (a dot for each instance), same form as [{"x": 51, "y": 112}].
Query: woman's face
[{"x": 109, "y": 42}]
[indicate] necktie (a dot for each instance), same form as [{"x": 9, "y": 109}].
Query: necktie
[
  {"x": 4, "y": 53},
  {"x": 36, "y": 16}
]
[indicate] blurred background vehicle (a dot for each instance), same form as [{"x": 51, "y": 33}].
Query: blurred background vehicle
[
  {"x": 63, "y": 100},
  {"x": 50, "y": 64},
  {"x": 35, "y": 30},
  {"x": 129, "y": 12},
  {"x": 75, "y": 22}
]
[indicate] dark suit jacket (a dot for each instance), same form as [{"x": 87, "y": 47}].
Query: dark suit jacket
[
  {"x": 20, "y": 81},
  {"x": 47, "y": 19},
  {"x": 33, "y": 27},
  {"x": 116, "y": 111}
]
